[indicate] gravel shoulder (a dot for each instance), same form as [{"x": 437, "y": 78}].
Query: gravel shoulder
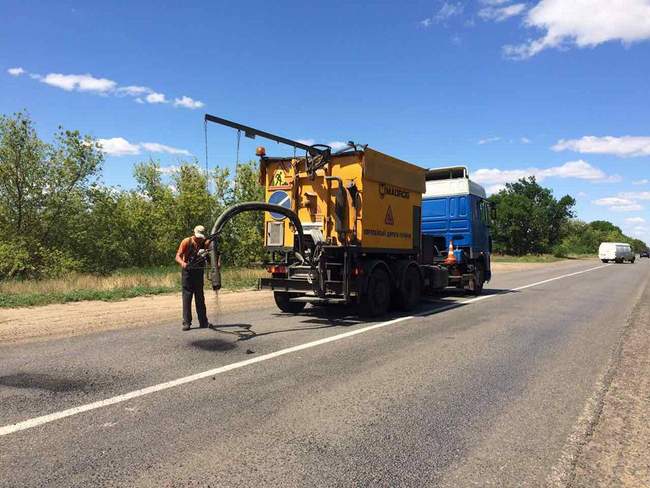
[
  {"x": 617, "y": 448},
  {"x": 69, "y": 319}
]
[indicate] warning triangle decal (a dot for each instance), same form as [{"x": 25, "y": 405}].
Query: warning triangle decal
[{"x": 389, "y": 216}]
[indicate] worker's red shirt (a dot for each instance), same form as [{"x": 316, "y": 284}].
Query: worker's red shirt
[{"x": 190, "y": 246}]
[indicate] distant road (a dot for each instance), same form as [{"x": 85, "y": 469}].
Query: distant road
[{"x": 468, "y": 392}]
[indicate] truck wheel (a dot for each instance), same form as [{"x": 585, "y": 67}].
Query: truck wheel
[
  {"x": 479, "y": 279},
  {"x": 376, "y": 300},
  {"x": 632, "y": 261},
  {"x": 408, "y": 295},
  {"x": 282, "y": 300},
  {"x": 605, "y": 260}
]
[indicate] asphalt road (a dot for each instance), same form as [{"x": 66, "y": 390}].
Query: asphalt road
[{"x": 483, "y": 394}]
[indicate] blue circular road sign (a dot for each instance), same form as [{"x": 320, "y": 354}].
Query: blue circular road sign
[{"x": 281, "y": 198}]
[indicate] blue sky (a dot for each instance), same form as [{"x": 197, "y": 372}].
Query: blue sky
[{"x": 509, "y": 88}]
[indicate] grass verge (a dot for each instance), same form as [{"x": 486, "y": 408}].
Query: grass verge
[
  {"x": 118, "y": 286},
  {"x": 536, "y": 258}
]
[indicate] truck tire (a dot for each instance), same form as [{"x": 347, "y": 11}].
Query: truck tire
[
  {"x": 376, "y": 299},
  {"x": 632, "y": 260},
  {"x": 408, "y": 295},
  {"x": 605, "y": 260},
  {"x": 479, "y": 279},
  {"x": 282, "y": 300}
]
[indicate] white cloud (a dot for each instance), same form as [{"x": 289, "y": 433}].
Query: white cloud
[
  {"x": 612, "y": 201},
  {"x": 155, "y": 97},
  {"x": 583, "y": 23},
  {"x": 625, "y": 146},
  {"x": 493, "y": 2},
  {"x": 118, "y": 146},
  {"x": 337, "y": 145},
  {"x": 446, "y": 11},
  {"x": 635, "y": 220},
  {"x": 525, "y": 140},
  {"x": 494, "y": 189},
  {"x": 575, "y": 169},
  {"x": 489, "y": 140},
  {"x": 633, "y": 207},
  {"x": 82, "y": 83},
  {"x": 636, "y": 195},
  {"x": 187, "y": 102},
  {"x": 16, "y": 71},
  {"x": 133, "y": 90},
  {"x": 494, "y": 176},
  {"x": 105, "y": 86},
  {"x": 644, "y": 181},
  {"x": 499, "y": 14},
  {"x": 161, "y": 148},
  {"x": 619, "y": 204},
  {"x": 572, "y": 169}
]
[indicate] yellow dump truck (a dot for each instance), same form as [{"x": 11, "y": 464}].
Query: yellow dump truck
[{"x": 345, "y": 227}]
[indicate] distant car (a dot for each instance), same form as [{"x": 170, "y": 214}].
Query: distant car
[
  {"x": 644, "y": 254},
  {"x": 615, "y": 251}
]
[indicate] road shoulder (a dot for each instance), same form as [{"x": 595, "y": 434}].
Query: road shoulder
[
  {"x": 78, "y": 318},
  {"x": 616, "y": 448}
]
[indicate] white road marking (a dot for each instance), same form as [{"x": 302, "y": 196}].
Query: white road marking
[
  {"x": 45, "y": 419},
  {"x": 559, "y": 277},
  {"x": 284, "y": 200}
]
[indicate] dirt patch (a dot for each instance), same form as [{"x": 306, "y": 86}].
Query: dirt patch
[
  {"x": 617, "y": 451},
  {"x": 82, "y": 317}
]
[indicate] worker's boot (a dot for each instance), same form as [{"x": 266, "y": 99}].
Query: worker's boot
[{"x": 186, "y": 326}]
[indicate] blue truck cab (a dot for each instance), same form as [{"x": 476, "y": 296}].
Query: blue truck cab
[{"x": 455, "y": 211}]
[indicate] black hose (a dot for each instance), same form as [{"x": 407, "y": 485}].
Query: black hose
[{"x": 235, "y": 210}]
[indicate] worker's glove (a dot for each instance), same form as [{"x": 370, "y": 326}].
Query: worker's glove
[{"x": 203, "y": 253}]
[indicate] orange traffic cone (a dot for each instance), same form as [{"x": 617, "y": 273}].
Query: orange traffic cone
[{"x": 451, "y": 259}]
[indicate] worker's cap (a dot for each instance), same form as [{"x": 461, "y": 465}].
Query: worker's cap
[{"x": 199, "y": 231}]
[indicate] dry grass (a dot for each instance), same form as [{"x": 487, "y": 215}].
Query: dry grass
[
  {"x": 122, "y": 284},
  {"x": 536, "y": 258}
]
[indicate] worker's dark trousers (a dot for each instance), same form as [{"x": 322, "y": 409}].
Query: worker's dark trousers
[{"x": 192, "y": 283}]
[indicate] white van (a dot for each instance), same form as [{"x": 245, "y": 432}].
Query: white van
[{"x": 615, "y": 251}]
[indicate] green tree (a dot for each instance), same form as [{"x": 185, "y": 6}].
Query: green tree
[
  {"x": 43, "y": 194},
  {"x": 529, "y": 219},
  {"x": 242, "y": 238}
]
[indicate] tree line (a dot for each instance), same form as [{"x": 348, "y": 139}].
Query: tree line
[
  {"x": 57, "y": 216},
  {"x": 530, "y": 220}
]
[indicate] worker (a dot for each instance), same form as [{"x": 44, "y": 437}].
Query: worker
[{"x": 191, "y": 256}]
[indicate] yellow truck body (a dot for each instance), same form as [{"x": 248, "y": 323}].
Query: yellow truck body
[{"x": 383, "y": 193}]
